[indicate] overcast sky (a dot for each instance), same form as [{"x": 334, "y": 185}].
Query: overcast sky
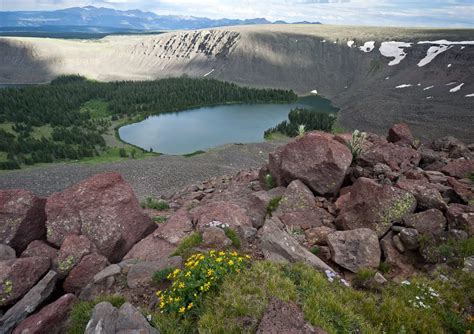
[{"x": 437, "y": 13}]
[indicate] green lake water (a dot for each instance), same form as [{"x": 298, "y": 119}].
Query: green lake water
[{"x": 203, "y": 128}]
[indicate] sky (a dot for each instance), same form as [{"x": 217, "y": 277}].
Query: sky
[{"x": 430, "y": 13}]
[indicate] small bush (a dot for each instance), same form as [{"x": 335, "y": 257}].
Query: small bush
[
  {"x": 82, "y": 311},
  {"x": 202, "y": 273},
  {"x": 151, "y": 203},
  {"x": 270, "y": 182},
  {"x": 160, "y": 219},
  {"x": 161, "y": 275},
  {"x": 273, "y": 205},
  {"x": 232, "y": 235},
  {"x": 187, "y": 244}
]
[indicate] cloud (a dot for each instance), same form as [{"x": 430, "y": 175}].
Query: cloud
[{"x": 440, "y": 13}]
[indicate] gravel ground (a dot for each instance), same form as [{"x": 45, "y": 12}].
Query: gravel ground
[{"x": 162, "y": 175}]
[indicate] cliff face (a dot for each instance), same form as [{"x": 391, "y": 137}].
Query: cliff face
[{"x": 376, "y": 76}]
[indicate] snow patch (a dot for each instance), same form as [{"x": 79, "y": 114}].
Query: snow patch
[
  {"x": 455, "y": 89},
  {"x": 394, "y": 50},
  {"x": 350, "y": 43},
  {"x": 368, "y": 46},
  {"x": 429, "y": 87},
  {"x": 469, "y": 95},
  {"x": 404, "y": 86},
  {"x": 432, "y": 52},
  {"x": 445, "y": 42},
  {"x": 209, "y": 72},
  {"x": 315, "y": 92}
]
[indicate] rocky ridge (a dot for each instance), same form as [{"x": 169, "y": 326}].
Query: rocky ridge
[{"x": 314, "y": 202}]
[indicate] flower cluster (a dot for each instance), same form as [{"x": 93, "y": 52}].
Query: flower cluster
[{"x": 201, "y": 273}]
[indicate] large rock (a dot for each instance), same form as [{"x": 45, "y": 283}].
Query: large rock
[
  {"x": 29, "y": 303},
  {"x": 461, "y": 217},
  {"x": 226, "y": 213},
  {"x": 73, "y": 249},
  {"x": 278, "y": 246},
  {"x": 22, "y": 218},
  {"x": 141, "y": 273},
  {"x": 297, "y": 208},
  {"x": 428, "y": 223},
  {"x": 317, "y": 159},
  {"x": 176, "y": 228},
  {"x": 18, "y": 276},
  {"x": 106, "y": 319},
  {"x": 285, "y": 317},
  {"x": 50, "y": 319},
  {"x": 371, "y": 205},
  {"x": 40, "y": 248},
  {"x": 400, "y": 133},
  {"x": 397, "y": 157},
  {"x": 355, "y": 249},
  {"x": 426, "y": 195},
  {"x": 84, "y": 272},
  {"x": 103, "y": 208},
  {"x": 7, "y": 253},
  {"x": 459, "y": 168},
  {"x": 151, "y": 248}
]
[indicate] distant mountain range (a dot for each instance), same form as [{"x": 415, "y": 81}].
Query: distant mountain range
[{"x": 103, "y": 20}]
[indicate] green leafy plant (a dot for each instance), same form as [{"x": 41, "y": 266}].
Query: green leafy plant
[
  {"x": 273, "y": 205},
  {"x": 356, "y": 144},
  {"x": 151, "y": 203},
  {"x": 233, "y": 236},
  {"x": 201, "y": 274}
]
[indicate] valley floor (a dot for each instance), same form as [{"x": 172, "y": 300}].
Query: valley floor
[{"x": 154, "y": 176}]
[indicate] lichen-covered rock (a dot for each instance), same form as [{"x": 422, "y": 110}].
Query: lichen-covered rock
[
  {"x": 40, "y": 248},
  {"x": 73, "y": 249},
  {"x": 368, "y": 204},
  {"x": 228, "y": 214},
  {"x": 397, "y": 157},
  {"x": 297, "y": 208},
  {"x": 22, "y": 218},
  {"x": 50, "y": 319},
  {"x": 355, "y": 249},
  {"x": 29, "y": 303},
  {"x": 176, "y": 228},
  {"x": 84, "y": 272},
  {"x": 104, "y": 209},
  {"x": 316, "y": 159},
  {"x": 18, "y": 276},
  {"x": 400, "y": 133},
  {"x": 459, "y": 168},
  {"x": 428, "y": 223},
  {"x": 151, "y": 248}
]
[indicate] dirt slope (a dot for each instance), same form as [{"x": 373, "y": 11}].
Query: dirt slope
[{"x": 347, "y": 64}]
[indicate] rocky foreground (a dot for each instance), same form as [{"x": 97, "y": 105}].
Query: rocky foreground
[{"x": 314, "y": 202}]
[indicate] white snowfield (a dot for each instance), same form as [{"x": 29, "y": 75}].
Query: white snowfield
[
  {"x": 432, "y": 52},
  {"x": 455, "y": 89},
  {"x": 404, "y": 86},
  {"x": 445, "y": 42},
  {"x": 368, "y": 46},
  {"x": 350, "y": 43},
  {"x": 394, "y": 50}
]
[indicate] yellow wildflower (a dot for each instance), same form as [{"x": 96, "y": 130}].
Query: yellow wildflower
[{"x": 182, "y": 309}]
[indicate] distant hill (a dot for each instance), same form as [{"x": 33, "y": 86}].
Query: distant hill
[{"x": 104, "y": 20}]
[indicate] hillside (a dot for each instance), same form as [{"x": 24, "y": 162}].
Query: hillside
[
  {"x": 347, "y": 233},
  {"x": 341, "y": 63}
]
